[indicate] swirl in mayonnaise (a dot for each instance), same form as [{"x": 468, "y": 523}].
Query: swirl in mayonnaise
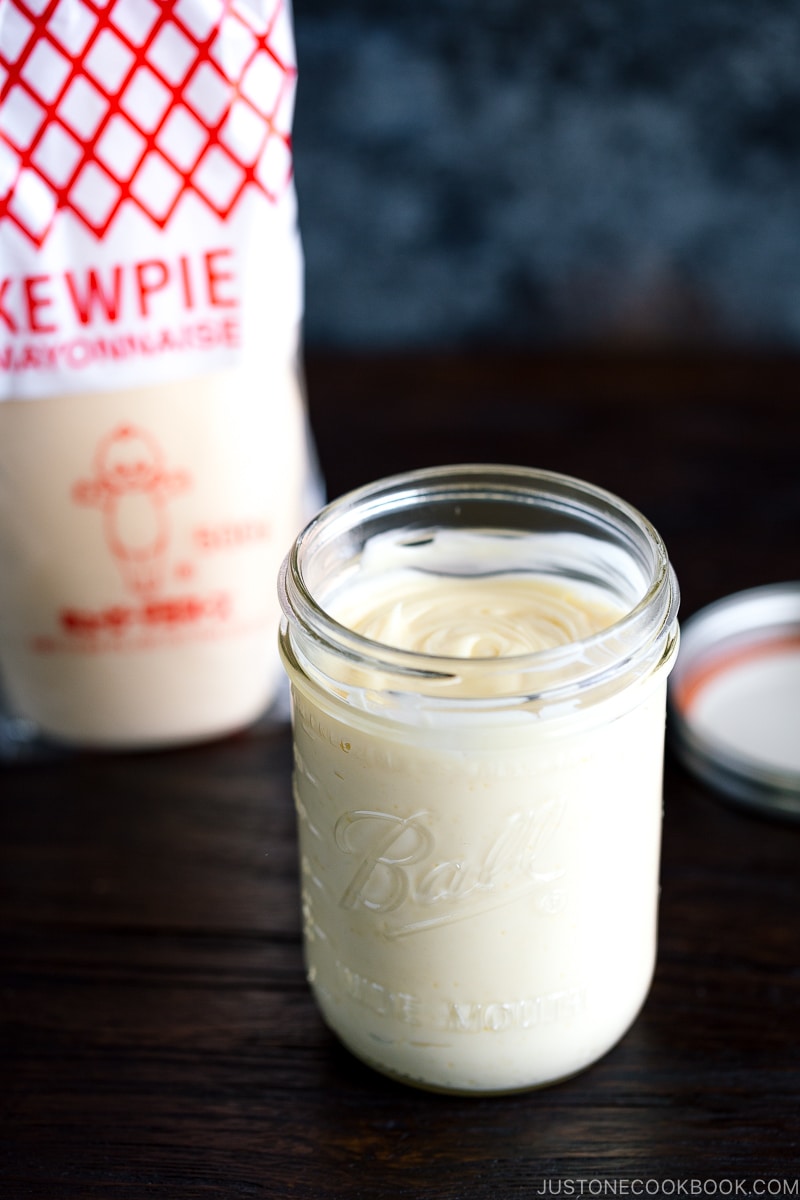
[{"x": 496, "y": 616}]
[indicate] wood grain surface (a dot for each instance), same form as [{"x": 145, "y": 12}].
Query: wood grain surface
[{"x": 157, "y": 1037}]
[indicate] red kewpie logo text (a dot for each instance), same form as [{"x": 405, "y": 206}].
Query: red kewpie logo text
[
  {"x": 169, "y": 613},
  {"x": 43, "y": 303}
]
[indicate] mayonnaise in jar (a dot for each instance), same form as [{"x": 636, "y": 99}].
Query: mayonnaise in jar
[{"x": 478, "y": 659}]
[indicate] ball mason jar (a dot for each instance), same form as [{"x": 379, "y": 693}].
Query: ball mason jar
[{"x": 479, "y": 832}]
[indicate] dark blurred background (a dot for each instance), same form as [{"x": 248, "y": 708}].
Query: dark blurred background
[{"x": 612, "y": 173}]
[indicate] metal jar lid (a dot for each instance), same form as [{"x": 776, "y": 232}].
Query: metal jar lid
[{"x": 735, "y": 697}]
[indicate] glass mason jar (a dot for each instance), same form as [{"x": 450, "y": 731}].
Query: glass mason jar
[{"x": 479, "y": 831}]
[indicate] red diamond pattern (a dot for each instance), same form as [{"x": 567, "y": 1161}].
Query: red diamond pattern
[{"x": 111, "y": 102}]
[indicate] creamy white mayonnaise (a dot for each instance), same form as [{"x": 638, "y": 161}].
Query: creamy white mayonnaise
[
  {"x": 140, "y": 535},
  {"x": 154, "y": 459},
  {"x": 478, "y": 617},
  {"x": 479, "y": 883}
]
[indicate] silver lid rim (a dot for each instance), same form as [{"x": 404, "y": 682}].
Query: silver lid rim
[{"x": 756, "y": 615}]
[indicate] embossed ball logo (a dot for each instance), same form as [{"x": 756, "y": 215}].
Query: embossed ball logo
[
  {"x": 399, "y": 873},
  {"x": 135, "y": 102}
]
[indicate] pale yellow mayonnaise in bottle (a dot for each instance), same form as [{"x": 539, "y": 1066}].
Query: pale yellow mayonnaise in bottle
[
  {"x": 478, "y": 659},
  {"x": 155, "y": 458}
]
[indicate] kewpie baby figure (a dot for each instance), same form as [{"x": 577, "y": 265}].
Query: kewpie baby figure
[{"x": 131, "y": 487}]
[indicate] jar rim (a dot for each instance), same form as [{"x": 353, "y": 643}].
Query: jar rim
[{"x": 653, "y": 615}]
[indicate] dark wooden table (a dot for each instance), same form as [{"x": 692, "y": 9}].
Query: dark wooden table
[{"x": 157, "y": 1035}]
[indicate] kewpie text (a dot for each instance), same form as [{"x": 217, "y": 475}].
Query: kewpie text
[{"x": 152, "y": 289}]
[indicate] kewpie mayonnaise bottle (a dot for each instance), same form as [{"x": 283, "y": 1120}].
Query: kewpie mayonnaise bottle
[
  {"x": 478, "y": 658},
  {"x": 155, "y": 458}
]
